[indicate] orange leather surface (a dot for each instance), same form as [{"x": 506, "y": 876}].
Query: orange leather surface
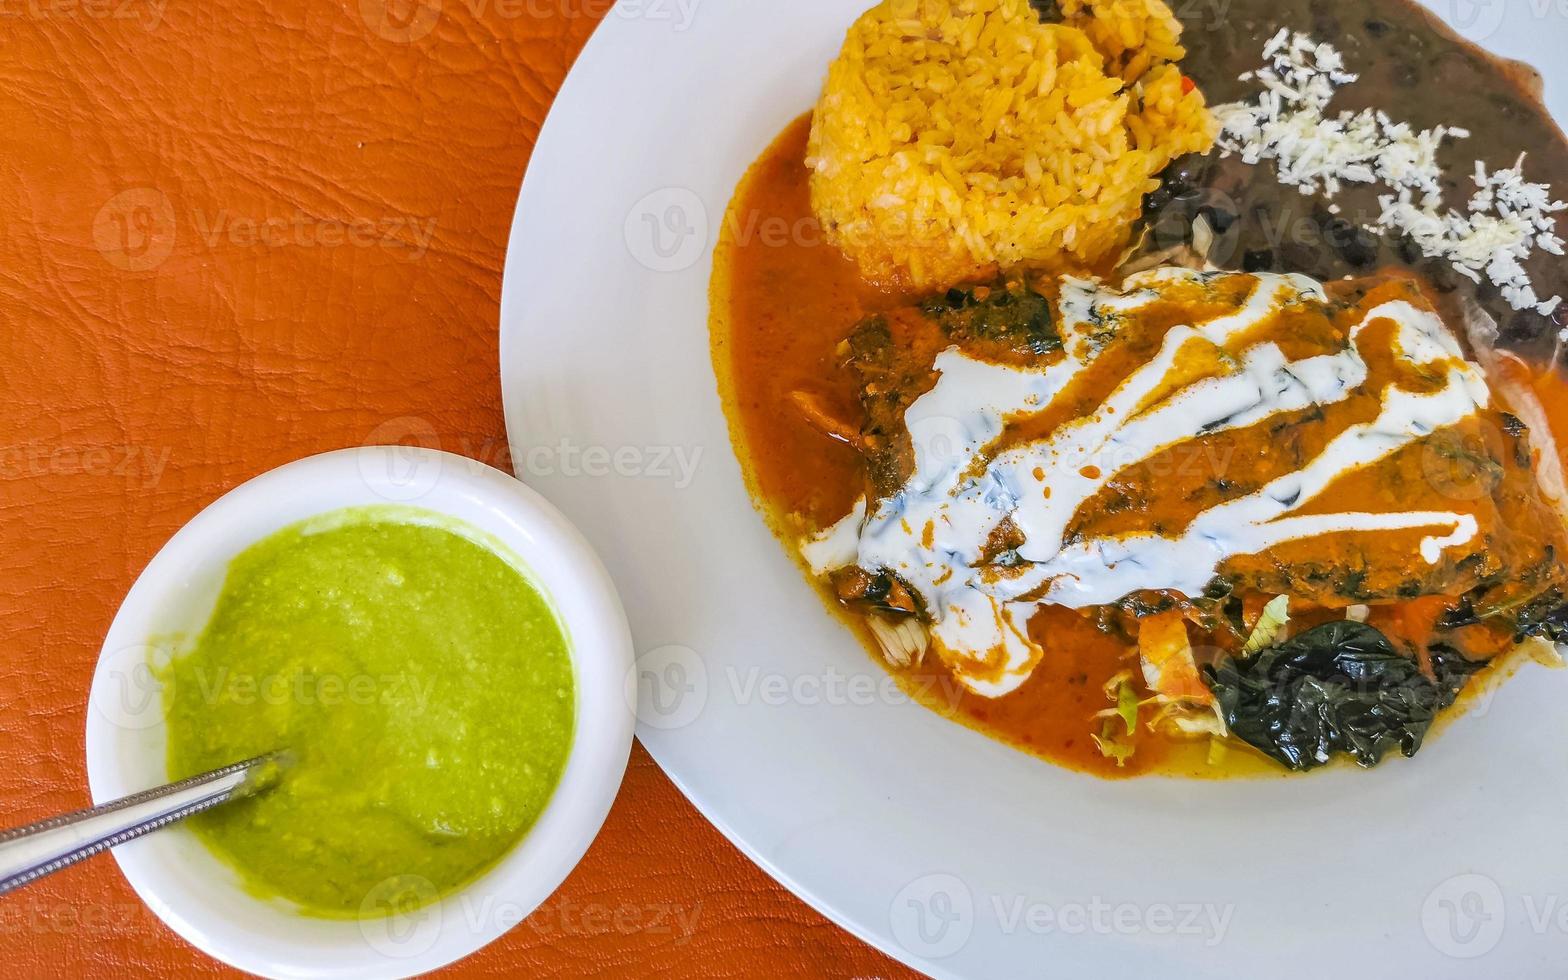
[{"x": 237, "y": 233}]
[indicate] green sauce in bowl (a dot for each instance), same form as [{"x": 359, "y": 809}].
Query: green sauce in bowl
[{"x": 423, "y": 685}]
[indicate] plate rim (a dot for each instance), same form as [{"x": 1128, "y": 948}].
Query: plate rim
[{"x": 511, "y": 410}]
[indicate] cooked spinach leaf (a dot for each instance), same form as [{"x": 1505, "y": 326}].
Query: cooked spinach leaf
[
  {"x": 1340, "y": 687},
  {"x": 1009, "y": 313},
  {"x": 1546, "y": 616}
]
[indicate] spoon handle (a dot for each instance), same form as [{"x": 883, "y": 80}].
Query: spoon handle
[{"x": 31, "y": 852}]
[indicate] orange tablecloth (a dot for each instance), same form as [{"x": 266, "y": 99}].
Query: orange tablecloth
[{"x": 235, "y": 234}]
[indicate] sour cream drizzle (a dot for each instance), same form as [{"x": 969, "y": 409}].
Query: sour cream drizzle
[{"x": 933, "y": 532}]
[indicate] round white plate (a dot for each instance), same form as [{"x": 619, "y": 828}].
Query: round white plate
[{"x": 951, "y": 852}]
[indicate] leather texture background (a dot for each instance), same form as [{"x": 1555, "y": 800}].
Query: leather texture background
[{"x": 233, "y": 234}]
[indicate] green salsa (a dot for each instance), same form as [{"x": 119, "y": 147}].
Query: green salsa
[{"x": 422, "y": 685}]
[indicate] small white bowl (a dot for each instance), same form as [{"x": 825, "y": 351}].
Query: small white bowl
[{"x": 201, "y": 898}]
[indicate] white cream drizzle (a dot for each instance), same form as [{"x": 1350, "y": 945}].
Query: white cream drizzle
[
  {"x": 837, "y": 546},
  {"x": 979, "y": 622}
]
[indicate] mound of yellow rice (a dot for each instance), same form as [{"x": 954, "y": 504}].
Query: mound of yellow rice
[{"x": 958, "y": 136}]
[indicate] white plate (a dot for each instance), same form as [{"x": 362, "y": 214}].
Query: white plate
[{"x": 949, "y": 851}]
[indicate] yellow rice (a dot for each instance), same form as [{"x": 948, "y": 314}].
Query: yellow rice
[{"x": 958, "y": 136}]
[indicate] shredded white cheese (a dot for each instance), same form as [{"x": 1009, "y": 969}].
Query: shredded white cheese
[{"x": 1503, "y": 223}]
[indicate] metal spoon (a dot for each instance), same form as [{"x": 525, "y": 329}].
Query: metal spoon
[{"x": 31, "y": 852}]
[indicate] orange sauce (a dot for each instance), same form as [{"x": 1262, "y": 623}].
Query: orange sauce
[
  {"x": 782, "y": 304},
  {"x": 1552, "y": 389},
  {"x": 783, "y": 301}
]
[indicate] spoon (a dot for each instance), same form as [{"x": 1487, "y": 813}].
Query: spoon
[{"x": 36, "y": 850}]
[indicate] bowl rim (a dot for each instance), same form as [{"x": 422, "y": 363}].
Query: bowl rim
[{"x": 203, "y": 901}]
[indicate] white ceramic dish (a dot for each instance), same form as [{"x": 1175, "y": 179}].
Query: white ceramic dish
[
  {"x": 202, "y": 899},
  {"x": 947, "y": 850}
]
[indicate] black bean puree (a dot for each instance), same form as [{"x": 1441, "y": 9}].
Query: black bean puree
[{"x": 1416, "y": 70}]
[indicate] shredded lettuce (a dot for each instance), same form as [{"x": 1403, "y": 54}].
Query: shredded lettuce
[
  {"x": 1187, "y": 719},
  {"x": 1273, "y": 619},
  {"x": 1127, "y": 706},
  {"x": 1111, "y": 743}
]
